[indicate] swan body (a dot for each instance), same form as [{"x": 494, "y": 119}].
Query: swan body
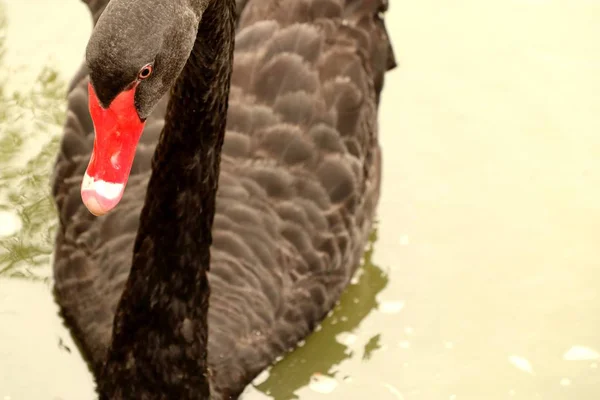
[{"x": 297, "y": 191}]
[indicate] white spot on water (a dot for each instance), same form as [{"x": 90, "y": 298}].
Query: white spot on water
[
  {"x": 322, "y": 383},
  {"x": 404, "y": 344},
  {"x": 409, "y": 330},
  {"x": 581, "y": 353},
  {"x": 403, "y": 240},
  {"x": 512, "y": 392},
  {"x": 449, "y": 345},
  {"x": 394, "y": 391},
  {"x": 594, "y": 365},
  {"x": 10, "y": 223},
  {"x": 346, "y": 338},
  {"x": 565, "y": 382},
  {"x": 356, "y": 278},
  {"x": 261, "y": 378},
  {"x": 521, "y": 363},
  {"x": 391, "y": 307},
  {"x": 452, "y": 397}
]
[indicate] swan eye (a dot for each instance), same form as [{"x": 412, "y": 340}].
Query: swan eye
[{"x": 145, "y": 72}]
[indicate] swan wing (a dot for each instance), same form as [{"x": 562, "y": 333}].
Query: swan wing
[{"x": 300, "y": 177}]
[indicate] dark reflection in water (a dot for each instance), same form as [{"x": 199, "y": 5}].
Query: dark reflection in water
[{"x": 322, "y": 352}]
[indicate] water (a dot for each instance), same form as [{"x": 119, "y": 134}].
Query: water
[{"x": 483, "y": 282}]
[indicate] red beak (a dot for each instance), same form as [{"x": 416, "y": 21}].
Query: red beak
[{"x": 118, "y": 129}]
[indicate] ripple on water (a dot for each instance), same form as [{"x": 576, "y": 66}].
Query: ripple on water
[{"x": 10, "y": 223}]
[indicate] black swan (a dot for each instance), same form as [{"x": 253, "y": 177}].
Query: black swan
[{"x": 298, "y": 179}]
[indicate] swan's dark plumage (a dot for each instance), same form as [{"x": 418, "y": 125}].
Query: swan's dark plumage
[{"x": 299, "y": 184}]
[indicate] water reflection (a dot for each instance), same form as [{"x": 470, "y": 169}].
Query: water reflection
[{"x": 325, "y": 349}]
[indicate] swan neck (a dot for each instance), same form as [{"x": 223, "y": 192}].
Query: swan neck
[{"x": 160, "y": 333}]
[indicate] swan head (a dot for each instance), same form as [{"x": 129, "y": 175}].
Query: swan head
[{"x": 136, "y": 51}]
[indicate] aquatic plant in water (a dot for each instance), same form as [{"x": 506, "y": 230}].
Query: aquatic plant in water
[{"x": 30, "y": 124}]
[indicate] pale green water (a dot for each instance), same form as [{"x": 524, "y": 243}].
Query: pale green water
[{"x": 485, "y": 274}]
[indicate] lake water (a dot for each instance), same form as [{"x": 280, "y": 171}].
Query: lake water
[{"x": 484, "y": 276}]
